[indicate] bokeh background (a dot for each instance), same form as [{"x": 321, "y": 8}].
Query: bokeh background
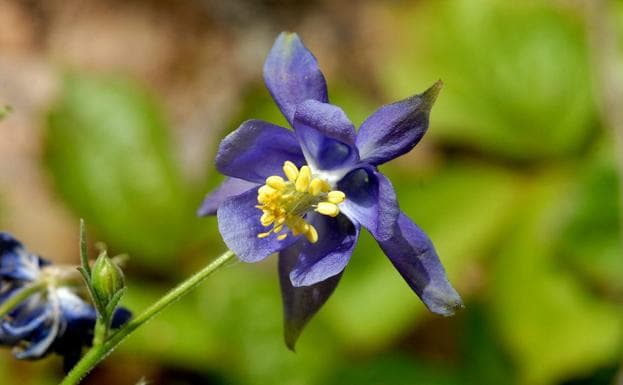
[{"x": 118, "y": 107}]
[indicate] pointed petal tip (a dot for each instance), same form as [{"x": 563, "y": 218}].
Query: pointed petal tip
[
  {"x": 445, "y": 305},
  {"x": 288, "y": 35},
  {"x": 202, "y": 212},
  {"x": 430, "y": 95},
  {"x": 290, "y": 336},
  {"x": 285, "y": 40}
]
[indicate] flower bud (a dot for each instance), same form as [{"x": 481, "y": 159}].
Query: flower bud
[{"x": 106, "y": 278}]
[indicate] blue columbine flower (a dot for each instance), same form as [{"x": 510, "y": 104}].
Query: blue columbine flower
[
  {"x": 52, "y": 319},
  {"x": 305, "y": 193}
]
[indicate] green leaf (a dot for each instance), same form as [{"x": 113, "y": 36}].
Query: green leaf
[
  {"x": 554, "y": 327},
  {"x": 109, "y": 152},
  {"x": 506, "y": 68},
  {"x": 394, "y": 369},
  {"x": 84, "y": 252},
  {"x": 591, "y": 243}
]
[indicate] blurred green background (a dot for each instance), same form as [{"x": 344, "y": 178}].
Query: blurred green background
[{"x": 118, "y": 107}]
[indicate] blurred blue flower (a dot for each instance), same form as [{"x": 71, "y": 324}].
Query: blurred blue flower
[
  {"x": 53, "y": 318},
  {"x": 330, "y": 188}
]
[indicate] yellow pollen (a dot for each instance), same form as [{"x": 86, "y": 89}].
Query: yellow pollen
[
  {"x": 290, "y": 170},
  {"x": 336, "y": 197},
  {"x": 315, "y": 186},
  {"x": 285, "y": 203},
  {"x": 312, "y": 234},
  {"x": 302, "y": 181},
  {"x": 326, "y": 208},
  {"x": 276, "y": 182}
]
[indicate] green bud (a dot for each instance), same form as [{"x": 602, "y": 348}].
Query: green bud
[{"x": 106, "y": 279}]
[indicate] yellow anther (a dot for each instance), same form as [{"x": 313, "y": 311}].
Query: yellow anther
[
  {"x": 312, "y": 234},
  {"x": 326, "y": 208},
  {"x": 326, "y": 187},
  {"x": 266, "y": 190},
  {"x": 267, "y": 219},
  {"x": 276, "y": 182},
  {"x": 305, "y": 227},
  {"x": 315, "y": 186},
  {"x": 285, "y": 202},
  {"x": 302, "y": 181},
  {"x": 336, "y": 197},
  {"x": 291, "y": 171}
]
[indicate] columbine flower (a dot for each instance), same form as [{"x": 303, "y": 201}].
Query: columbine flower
[
  {"x": 52, "y": 319},
  {"x": 306, "y": 193}
]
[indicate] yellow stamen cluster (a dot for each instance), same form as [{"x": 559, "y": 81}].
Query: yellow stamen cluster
[{"x": 285, "y": 202}]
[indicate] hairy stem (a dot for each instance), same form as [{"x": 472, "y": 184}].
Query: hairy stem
[{"x": 98, "y": 353}]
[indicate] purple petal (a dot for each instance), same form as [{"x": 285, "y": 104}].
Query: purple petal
[
  {"x": 300, "y": 304},
  {"x": 39, "y": 342},
  {"x": 32, "y": 314},
  {"x": 15, "y": 262},
  {"x": 370, "y": 201},
  {"x": 7, "y": 290},
  {"x": 292, "y": 75},
  {"x": 329, "y": 256},
  {"x": 75, "y": 310},
  {"x": 37, "y": 322},
  {"x": 414, "y": 256},
  {"x": 239, "y": 224},
  {"x": 257, "y": 150},
  {"x": 326, "y": 135},
  {"x": 395, "y": 129},
  {"x": 121, "y": 317},
  {"x": 229, "y": 187}
]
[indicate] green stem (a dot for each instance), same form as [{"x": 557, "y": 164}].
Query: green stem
[
  {"x": 100, "y": 331},
  {"x": 98, "y": 353},
  {"x": 20, "y": 296}
]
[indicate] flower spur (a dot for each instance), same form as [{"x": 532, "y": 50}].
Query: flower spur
[
  {"x": 49, "y": 318},
  {"x": 306, "y": 193}
]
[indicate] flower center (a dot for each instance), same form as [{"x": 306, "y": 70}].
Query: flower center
[{"x": 285, "y": 202}]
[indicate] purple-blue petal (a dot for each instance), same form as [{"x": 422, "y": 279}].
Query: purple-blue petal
[
  {"x": 121, "y": 317},
  {"x": 329, "y": 256},
  {"x": 370, "y": 201},
  {"x": 257, "y": 150},
  {"x": 39, "y": 342},
  {"x": 74, "y": 309},
  {"x": 27, "y": 317},
  {"x": 230, "y": 187},
  {"x": 79, "y": 319},
  {"x": 300, "y": 304},
  {"x": 396, "y": 128},
  {"x": 292, "y": 74},
  {"x": 414, "y": 256},
  {"x": 7, "y": 290},
  {"x": 239, "y": 225},
  {"x": 15, "y": 262},
  {"x": 326, "y": 135}
]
